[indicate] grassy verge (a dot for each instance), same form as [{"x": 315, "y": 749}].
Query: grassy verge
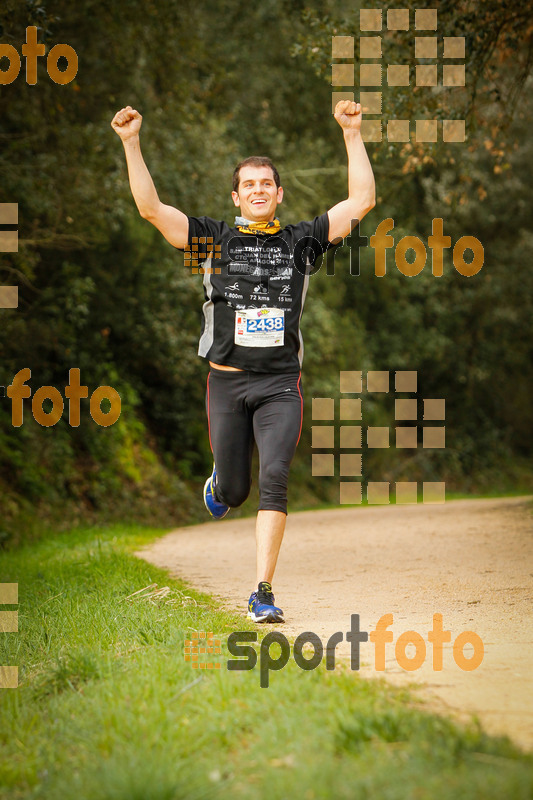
[
  {"x": 109, "y": 709},
  {"x": 327, "y": 506}
]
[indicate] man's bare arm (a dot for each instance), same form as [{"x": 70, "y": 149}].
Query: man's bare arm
[
  {"x": 173, "y": 224},
  {"x": 361, "y": 186}
]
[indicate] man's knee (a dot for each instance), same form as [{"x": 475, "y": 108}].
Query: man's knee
[
  {"x": 231, "y": 493},
  {"x": 274, "y": 473},
  {"x": 273, "y": 479}
]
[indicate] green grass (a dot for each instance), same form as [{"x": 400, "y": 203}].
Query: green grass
[
  {"x": 108, "y": 709},
  {"x": 249, "y": 507},
  {"x": 326, "y": 506}
]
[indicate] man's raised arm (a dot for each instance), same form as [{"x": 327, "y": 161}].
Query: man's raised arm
[
  {"x": 361, "y": 187},
  {"x": 173, "y": 224}
]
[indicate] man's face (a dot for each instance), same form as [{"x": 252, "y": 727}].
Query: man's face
[{"x": 258, "y": 194}]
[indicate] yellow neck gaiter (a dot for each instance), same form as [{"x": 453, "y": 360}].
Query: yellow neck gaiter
[{"x": 246, "y": 226}]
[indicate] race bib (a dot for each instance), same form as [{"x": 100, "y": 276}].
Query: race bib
[{"x": 260, "y": 327}]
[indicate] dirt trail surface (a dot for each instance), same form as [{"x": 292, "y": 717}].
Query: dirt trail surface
[{"x": 470, "y": 560}]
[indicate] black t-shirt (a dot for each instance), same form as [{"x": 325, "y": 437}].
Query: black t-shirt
[{"x": 255, "y": 288}]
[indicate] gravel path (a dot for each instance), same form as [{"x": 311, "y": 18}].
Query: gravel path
[{"x": 469, "y": 560}]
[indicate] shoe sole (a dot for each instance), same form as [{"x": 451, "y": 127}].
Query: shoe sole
[{"x": 266, "y": 618}]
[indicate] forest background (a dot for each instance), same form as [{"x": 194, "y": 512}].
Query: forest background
[{"x": 101, "y": 290}]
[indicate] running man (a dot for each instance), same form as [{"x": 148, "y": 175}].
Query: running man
[{"x": 256, "y": 276}]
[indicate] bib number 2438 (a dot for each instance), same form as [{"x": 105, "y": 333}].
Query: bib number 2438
[{"x": 260, "y": 327}]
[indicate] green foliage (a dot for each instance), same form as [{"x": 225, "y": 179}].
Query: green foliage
[{"x": 101, "y": 290}]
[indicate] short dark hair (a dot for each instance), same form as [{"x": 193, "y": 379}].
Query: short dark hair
[{"x": 254, "y": 161}]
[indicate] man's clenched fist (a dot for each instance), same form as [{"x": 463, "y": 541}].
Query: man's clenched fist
[
  {"x": 348, "y": 115},
  {"x": 127, "y": 123}
]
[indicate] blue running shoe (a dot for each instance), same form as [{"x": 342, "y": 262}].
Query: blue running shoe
[
  {"x": 261, "y": 606},
  {"x": 215, "y": 508}
]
